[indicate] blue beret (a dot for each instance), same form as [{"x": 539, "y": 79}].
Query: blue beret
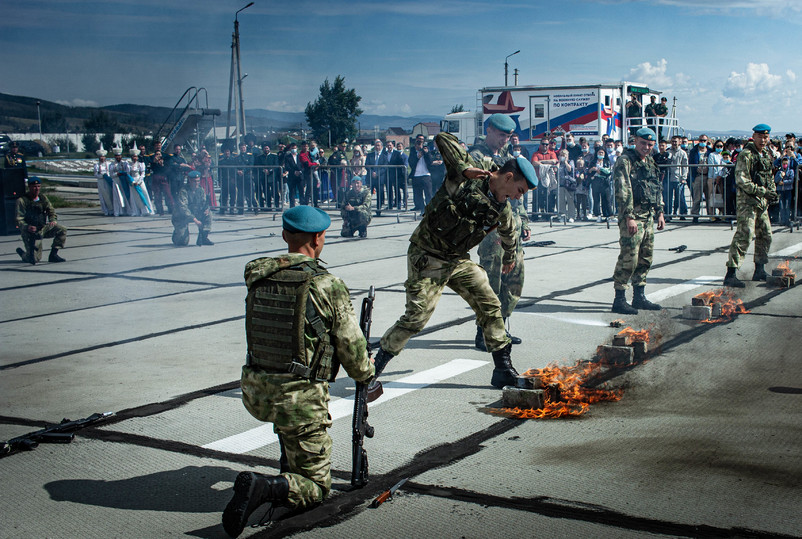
[
  {"x": 527, "y": 170},
  {"x": 34, "y": 179},
  {"x": 305, "y": 219},
  {"x": 502, "y": 123},
  {"x": 194, "y": 174},
  {"x": 762, "y": 128},
  {"x": 646, "y": 133}
]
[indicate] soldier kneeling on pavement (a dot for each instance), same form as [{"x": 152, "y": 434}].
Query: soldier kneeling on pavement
[
  {"x": 192, "y": 206},
  {"x": 356, "y": 209},
  {"x": 300, "y": 327},
  {"x": 37, "y": 219}
]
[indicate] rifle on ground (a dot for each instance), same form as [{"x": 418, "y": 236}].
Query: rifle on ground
[
  {"x": 360, "y": 426},
  {"x": 61, "y": 433}
]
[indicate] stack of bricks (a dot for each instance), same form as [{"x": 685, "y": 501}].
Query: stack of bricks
[
  {"x": 529, "y": 393},
  {"x": 703, "y": 307},
  {"x": 782, "y": 278},
  {"x": 623, "y": 352}
]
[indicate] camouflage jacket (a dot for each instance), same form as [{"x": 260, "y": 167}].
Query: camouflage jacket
[
  {"x": 481, "y": 150},
  {"x": 447, "y": 210},
  {"x": 636, "y": 180},
  {"x": 361, "y": 201},
  {"x": 491, "y": 245},
  {"x": 191, "y": 203},
  {"x": 753, "y": 176},
  {"x": 34, "y": 212}
]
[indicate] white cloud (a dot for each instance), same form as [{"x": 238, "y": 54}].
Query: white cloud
[
  {"x": 756, "y": 79},
  {"x": 78, "y": 103},
  {"x": 657, "y": 76},
  {"x": 283, "y": 106},
  {"x": 406, "y": 109}
]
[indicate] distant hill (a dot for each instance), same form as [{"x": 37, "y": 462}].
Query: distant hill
[{"x": 366, "y": 121}]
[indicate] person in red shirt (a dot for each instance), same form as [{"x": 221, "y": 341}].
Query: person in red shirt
[{"x": 307, "y": 166}]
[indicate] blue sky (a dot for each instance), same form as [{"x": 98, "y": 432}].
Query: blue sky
[{"x": 730, "y": 67}]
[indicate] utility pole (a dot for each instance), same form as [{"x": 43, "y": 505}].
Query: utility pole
[
  {"x": 239, "y": 107},
  {"x": 507, "y": 65}
]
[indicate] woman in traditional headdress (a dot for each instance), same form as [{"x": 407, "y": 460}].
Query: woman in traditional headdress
[
  {"x": 104, "y": 182},
  {"x": 140, "y": 198}
]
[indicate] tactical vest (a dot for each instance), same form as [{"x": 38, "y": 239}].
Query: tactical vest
[
  {"x": 761, "y": 172},
  {"x": 35, "y": 213},
  {"x": 462, "y": 220},
  {"x": 355, "y": 199},
  {"x": 645, "y": 180},
  {"x": 277, "y": 311}
]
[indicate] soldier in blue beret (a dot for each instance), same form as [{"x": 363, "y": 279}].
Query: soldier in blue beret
[
  {"x": 473, "y": 200},
  {"x": 494, "y": 145},
  {"x": 193, "y": 205},
  {"x": 300, "y": 328},
  {"x": 755, "y": 190},
  {"x": 639, "y": 195},
  {"x": 36, "y": 219}
]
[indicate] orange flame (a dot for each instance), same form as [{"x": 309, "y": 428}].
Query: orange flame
[
  {"x": 642, "y": 335},
  {"x": 565, "y": 384},
  {"x": 785, "y": 266},
  {"x": 730, "y": 305}
]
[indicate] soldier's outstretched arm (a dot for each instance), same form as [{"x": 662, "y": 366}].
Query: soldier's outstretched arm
[{"x": 455, "y": 158}]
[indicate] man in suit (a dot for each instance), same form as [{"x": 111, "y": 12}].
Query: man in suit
[
  {"x": 396, "y": 193},
  {"x": 420, "y": 167},
  {"x": 377, "y": 174},
  {"x": 294, "y": 171}
]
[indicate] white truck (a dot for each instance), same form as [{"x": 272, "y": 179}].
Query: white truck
[{"x": 588, "y": 111}]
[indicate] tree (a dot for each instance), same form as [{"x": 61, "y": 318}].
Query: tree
[
  {"x": 334, "y": 113},
  {"x": 457, "y": 108},
  {"x": 100, "y": 122},
  {"x": 89, "y": 140}
]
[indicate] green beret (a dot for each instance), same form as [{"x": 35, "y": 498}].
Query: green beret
[
  {"x": 527, "y": 170},
  {"x": 502, "y": 122},
  {"x": 646, "y": 133},
  {"x": 193, "y": 174},
  {"x": 34, "y": 179},
  {"x": 762, "y": 128},
  {"x": 305, "y": 219}
]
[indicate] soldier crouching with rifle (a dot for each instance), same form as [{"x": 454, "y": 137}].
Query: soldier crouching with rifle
[
  {"x": 300, "y": 328},
  {"x": 37, "y": 219}
]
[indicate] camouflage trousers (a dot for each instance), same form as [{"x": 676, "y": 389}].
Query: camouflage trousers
[
  {"x": 352, "y": 221},
  {"x": 298, "y": 409},
  {"x": 508, "y": 287},
  {"x": 635, "y": 256},
  {"x": 33, "y": 241},
  {"x": 427, "y": 276},
  {"x": 181, "y": 228},
  {"x": 752, "y": 222}
]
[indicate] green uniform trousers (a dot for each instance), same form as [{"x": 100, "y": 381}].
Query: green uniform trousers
[
  {"x": 427, "y": 276},
  {"x": 635, "y": 256},
  {"x": 33, "y": 244},
  {"x": 752, "y": 222}
]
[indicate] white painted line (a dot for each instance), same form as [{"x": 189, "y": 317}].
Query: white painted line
[
  {"x": 788, "y": 251},
  {"x": 263, "y": 435},
  {"x": 677, "y": 289}
]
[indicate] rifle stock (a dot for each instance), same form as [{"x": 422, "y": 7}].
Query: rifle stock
[{"x": 359, "y": 423}]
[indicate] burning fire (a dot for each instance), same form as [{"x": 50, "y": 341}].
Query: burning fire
[
  {"x": 785, "y": 267},
  {"x": 730, "y": 305},
  {"x": 565, "y": 394},
  {"x": 635, "y": 336}
]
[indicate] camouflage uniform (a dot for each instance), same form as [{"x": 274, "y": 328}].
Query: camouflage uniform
[
  {"x": 508, "y": 287},
  {"x": 753, "y": 180},
  {"x": 41, "y": 214},
  {"x": 638, "y": 194},
  {"x": 298, "y": 406},
  {"x": 192, "y": 203},
  {"x": 459, "y": 216},
  {"x": 358, "y": 218}
]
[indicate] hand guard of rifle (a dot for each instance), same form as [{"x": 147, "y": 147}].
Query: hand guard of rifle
[{"x": 360, "y": 425}]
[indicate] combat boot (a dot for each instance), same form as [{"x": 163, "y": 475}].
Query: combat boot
[
  {"x": 375, "y": 389},
  {"x": 620, "y": 304},
  {"x": 250, "y": 491},
  {"x": 639, "y": 300},
  {"x": 512, "y": 338},
  {"x": 760, "y": 273},
  {"x": 54, "y": 257},
  {"x": 479, "y": 340},
  {"x": 199, "y": 239},
  {"x": 25, "y": 257},
  {"x": 731, "y": 280},
  {"x": 363, "y": 232},
  {"x": 504, "y": 374},
  {"x": 205, "y": 240}
]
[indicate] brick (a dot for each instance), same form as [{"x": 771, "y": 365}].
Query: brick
[
  {"x": 622, "y": 340},
  {"x": 640, "y": 349},
  {"x": 698, "y": 301},
  {"x": 615, "y": 355},
  {"x": 784, "y": 281},
  {"x": 694, "y": 312},
  {"x": 777, "y": 272},
  {"x": 715, "y": 310},
  {"x": 515, "y": 397},
  {"x": 527, "y": 382}
]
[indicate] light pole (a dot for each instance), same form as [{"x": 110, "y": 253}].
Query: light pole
[
  {"x": 39, "y": 116},
  {"x": 507, "y": 65},
  {"x": 235, "y": 61}
]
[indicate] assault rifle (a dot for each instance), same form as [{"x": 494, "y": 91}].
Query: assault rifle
[
  {"x": 61, "y": 433},
  {"x": 360, "y": 426}
]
